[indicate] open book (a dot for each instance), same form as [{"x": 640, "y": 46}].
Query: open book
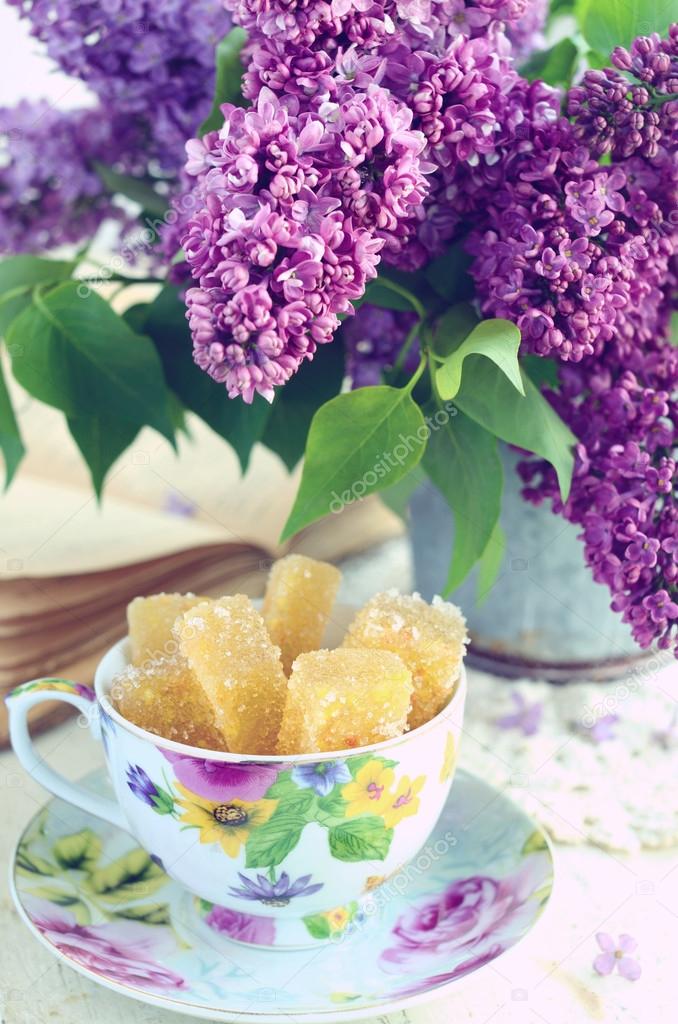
[{"x": 186, "y": 522}]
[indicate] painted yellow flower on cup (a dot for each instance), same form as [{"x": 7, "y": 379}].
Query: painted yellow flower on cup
[
  {"x": 370, "y": 791},
  {"x": 450, "y": 758},
  {"x": 404, "y": 802},
  {"x": 228, "y": 824}
]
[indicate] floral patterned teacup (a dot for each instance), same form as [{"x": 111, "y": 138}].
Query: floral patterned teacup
[{"x": 280, "y": 849}]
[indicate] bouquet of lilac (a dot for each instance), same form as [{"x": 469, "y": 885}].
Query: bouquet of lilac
[{"x": 383, "y": 235}]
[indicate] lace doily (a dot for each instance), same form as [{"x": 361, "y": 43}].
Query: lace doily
[{"x": 599, "y": 761}]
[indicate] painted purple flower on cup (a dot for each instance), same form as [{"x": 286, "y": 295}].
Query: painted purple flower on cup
[
  {"x": 470, "y": 923},
  {"x": 244, "y": 927},
  {"x": 321, "y": 777},
  {"x": 275, "y": 894},
  {"x": 222, "y": 780},
  {"x": 617, "y": 954},
  {"x": 526, "y": 717},
  {"x": 146, "y": 790},
  {"x": 126, "y": 952}
]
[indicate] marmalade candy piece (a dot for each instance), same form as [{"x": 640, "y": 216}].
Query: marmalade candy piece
[
  {"x": 164, "y": 697},
  {"x": 230, "y": 652},
  {"x": 299, "y": 598},
  {"x": 430, "y": 639},
  {"x": 344, "y": 698},
  {"x": 150, "y": 621}
]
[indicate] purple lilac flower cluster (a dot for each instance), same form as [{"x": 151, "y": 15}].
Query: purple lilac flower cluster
[
  {"x": 150, "y": 61},
  {"x": 572, "y": 252},
  {"x": 629, "y": 108},
  {"x": 275, "y": 256},
  {"x": 49, "y": 192},
  {"x": 373, "y": 339},
  {"x": 410, "y": 94},
  {"x": 624, "y": 489}
]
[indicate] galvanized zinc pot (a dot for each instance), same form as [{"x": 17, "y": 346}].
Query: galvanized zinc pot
[{"x": 545, "y": 617}]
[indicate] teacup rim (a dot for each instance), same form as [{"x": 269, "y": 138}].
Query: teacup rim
[{"x": 102, "y": 681}]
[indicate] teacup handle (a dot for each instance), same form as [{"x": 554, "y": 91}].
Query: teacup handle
[{"x": 19, "y": 702}]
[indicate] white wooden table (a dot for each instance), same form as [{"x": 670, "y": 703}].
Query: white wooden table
[{"x": 547, "y": 978}]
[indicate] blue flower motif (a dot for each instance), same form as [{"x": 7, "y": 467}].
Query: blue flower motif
[
  {"x": 141, "y": 785},
  {"x": 321, "y": 777},
  {"x": 274, "y": 894}
]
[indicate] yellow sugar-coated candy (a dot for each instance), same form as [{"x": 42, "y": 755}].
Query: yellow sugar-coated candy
[
  {"x": 230, "y": 652},
  {"x": 344, "y": 698},
  {"x": 298, "y": 602},
  {"x": 150, "y": 621},
  {"x": 430, "y": 639},
  {"x": 164, "y": 697}
]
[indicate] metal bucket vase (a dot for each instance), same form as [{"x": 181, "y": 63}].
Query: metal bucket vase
[{"x": 545, "y": 617}]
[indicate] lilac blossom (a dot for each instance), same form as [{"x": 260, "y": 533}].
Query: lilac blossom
[
  {"x": 617, "y": 954},
  {"x": 526, "y": 717},
  {"x": 50, "y": 193},
  {"x": 628, "y": 109},
  {"x": 373, "y": 339},
  {"x": 153, "y": 62}
]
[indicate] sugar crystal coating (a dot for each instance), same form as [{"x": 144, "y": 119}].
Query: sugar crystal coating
[
  {"x": 164, "y": 697},
  {"x": 430, "y": 639},
  {"x": 343, "y": 699},
  {"x": 150, "y": 621},
  {"x": 298, "y": 602},
  {"x": 230, "y": 652}
]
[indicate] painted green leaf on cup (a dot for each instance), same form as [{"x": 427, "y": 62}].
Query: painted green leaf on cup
[
  {"x": 29, "y": 863},
  {"x": 62, "y": 898},
  {"x": 365, "y": 838},
  {"x": 72, "y": 351},
  {"x": 147, "y": 913},
  {"x": 133, "y": 876},
  {"x": 318, "y": 926},
  {"x": 497, "y": 340},
  {"x": 528, "y": 421},
  {"x": 80, "y": 850},
  {"x": 269, "y": 844},
  {"x": 463, "y": 462},
  {"x": 358, "y": 444}
]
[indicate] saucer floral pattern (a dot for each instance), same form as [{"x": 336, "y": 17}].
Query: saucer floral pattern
[{"x": 261, "y": 810}]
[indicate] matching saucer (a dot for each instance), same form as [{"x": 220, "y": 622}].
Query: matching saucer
[{"x": 105, "y": 907}]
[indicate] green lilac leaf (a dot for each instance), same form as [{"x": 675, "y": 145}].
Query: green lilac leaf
[
  {"x": 11, "y": 444},
  {"x": 297, "y": 402},
  {"x": 554, "y": 66},
  {"x": 463, "y": 462},
  {"x": 73, "y": 352},
  {"x": 529, "y": 422},
  {"x": 240, "y": 424},
  {"x": 498, "y": 340},
  {"x": 228, "y": 79},
  {"x": 19, "y": 275},
  {"x": 606, "y": 24},
  {"x": 100, "y": 442},
  {"x": 352, "y": 436},
  {"x": 365, "y": 838},
  {"x": 490, "y": 564}
]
